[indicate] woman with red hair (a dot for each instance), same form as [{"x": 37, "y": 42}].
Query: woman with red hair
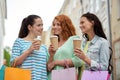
[{"x": 63, "y": 28}]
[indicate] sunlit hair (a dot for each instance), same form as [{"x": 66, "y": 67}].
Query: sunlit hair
[
  {"x": 30, "y": 20},
  {"x": 97, "y": 25},
  {"x": 67, "y": 26}
]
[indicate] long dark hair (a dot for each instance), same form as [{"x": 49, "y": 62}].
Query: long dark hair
[
  {"x": 24, "y": 25},
  {"x": 99, "y": 31},
  {"x": 97, "y": 25}
]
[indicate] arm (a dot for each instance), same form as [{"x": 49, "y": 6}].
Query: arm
[
  {"x": 62, "y": 63},
  {"x": 79, "y": 53},
  {"x": 68, "y": 51},
  {"x": 75, "y": 61},
  {"x": 19, "y": 60},
  {"x": 50, "y": 56},
  {"x": 104, "y": 57},
  {"x": 17, "y": 57},
  {"x": 54, "y": 63}
]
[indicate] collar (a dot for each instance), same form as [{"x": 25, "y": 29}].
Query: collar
[
  {"x": 94, "y": 39},
  {"x": 91, "y": 42}
]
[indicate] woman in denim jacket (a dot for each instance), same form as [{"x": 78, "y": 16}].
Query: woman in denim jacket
[{"x": 95, "y": 47}]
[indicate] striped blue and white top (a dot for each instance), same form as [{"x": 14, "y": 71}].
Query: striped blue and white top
[{"x": 36, "y": 61}]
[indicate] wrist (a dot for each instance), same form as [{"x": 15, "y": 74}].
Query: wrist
[
  {"x": 51, "y": 58},
  {"x": 55, "y": 63},
  {"x": 29, "y": 50},
  {"x": 52, "y": 54},
  {"x": 87, "y": 60}
]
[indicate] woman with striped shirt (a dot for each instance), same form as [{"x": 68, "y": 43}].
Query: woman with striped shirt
[{"x": 27, "y": 52}]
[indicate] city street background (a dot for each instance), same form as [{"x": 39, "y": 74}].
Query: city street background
[
  {"x": 18, "y": 9},
  {"x": 13, "y": 11}
]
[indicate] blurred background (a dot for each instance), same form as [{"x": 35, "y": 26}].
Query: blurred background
[{"x": 13, "y": 11}]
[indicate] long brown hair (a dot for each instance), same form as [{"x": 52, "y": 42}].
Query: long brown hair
[
  {"x": 98, "y": 29},
  {"x": 30, "y": 20},
  {"x": 67, "y": 26}
]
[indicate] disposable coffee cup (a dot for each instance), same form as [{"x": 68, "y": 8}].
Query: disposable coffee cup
[
  {"x": 39, "y": 40},
  {"x": 54, "y": 41},
  {"x": 77, "y": 43}
]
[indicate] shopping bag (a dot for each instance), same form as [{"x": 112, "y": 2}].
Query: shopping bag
[
  {"x": 95, "y": 75},
  {"x": 64, "y": 74},
  {"x": 12, "y": 73},
  {"x": 17, "y": 74},
  {"x": 2, "y": 70}
]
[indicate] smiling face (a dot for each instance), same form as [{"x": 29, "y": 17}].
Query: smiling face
[
  {"x": 86, "y": 26},
  {"x": 37, "y": 27},
  {"x": 56, "y": 28}
]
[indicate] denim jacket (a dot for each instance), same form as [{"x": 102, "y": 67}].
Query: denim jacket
[{"x": 99, "y": 53}]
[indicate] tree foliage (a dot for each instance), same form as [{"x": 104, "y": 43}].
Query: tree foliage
[{"x": 7, "y": 55}]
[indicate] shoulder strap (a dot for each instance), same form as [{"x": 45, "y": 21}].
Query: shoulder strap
[{"x": 110, "y": 67}]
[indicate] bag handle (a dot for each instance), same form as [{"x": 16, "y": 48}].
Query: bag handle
[
  {"x": 66, "y": 64},
  {"x": 14, "y": 62},
  {"x": 110, "y": 67}
]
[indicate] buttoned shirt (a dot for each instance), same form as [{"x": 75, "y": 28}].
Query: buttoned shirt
[{"x": 99, "y": 53}]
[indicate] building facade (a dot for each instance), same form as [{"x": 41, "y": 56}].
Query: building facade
[
  {"x": 3, "y": 15},
  {"x": 75, "y": 8},
  {"x": 115, "y": 27},
  {"x": 102, "y": 8},
  {"x": 72, "y": 9}
]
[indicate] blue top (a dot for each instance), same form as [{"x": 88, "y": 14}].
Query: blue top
[
  {"x": 99, "y": 53},
  {"x": 36, "y": 61}
]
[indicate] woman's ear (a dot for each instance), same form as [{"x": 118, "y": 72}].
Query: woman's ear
[
  {"x": 29, "y": 27},
  {"x": 92, "y": 22}
]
